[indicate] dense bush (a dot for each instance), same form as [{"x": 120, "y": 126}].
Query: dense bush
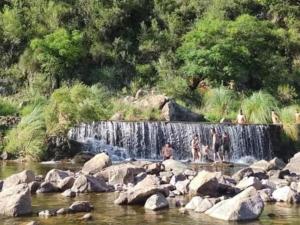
[
  {"x": 258, "y": 107},
  {"x": 27, "y": 139},
  {"x": 7, "y": 107}
]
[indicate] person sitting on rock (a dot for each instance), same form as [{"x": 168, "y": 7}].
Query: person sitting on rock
[
  {"x": 167, "y": 151},
  {"x": 297, "y": 117},
  {"x": 196, "y": 150},
  {"x": 241, "y": 118},
  {"x": 275, "y": 118}
]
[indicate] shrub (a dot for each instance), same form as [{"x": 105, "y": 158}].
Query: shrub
[
  {"x": 220, "y": 103},
  {"x": 258, "y": 106},
  {"x": 287, "y": 116},
  {"x": 7, "y": 107},
  {"x": 286, "y": 93},
  {"x": 27, "y": 139}
]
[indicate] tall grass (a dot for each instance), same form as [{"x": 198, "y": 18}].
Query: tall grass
[
  {"x": 287, "y": 116},
  {"x": 7, "y": 107},
  {"x": 27, "y": 139},
  {"x": 258, "y": 107},
  {"x": 220, "y": 103}
]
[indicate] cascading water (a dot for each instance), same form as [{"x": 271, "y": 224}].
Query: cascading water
[{"x": 145, "y": 139}]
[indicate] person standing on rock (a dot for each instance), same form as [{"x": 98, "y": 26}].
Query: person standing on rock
[
  {"x": 297, "y": 117},
  {"x": 241, "y": 118},
  {"x": 167, "y": 151},
  {"x": 225, "y": 146},
  {"x": 275, "y": 117},
  {"x": 196, "y": 149},
  {"x": 216, "y": 144}
]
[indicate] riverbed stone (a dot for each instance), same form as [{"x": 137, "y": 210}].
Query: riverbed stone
[
  {"x": 121, "y": 173},
  {"x": 204, "y": 205},
  {"x": 294, "y": 165},
  {"x": 34, "y": 186},
  {"x": 86, "y": 183},
  {"x": 266, "y": 195},
  {"x": 47, "y": 213},
  {"x": 55, "y": 176},
  {"x": 47, "y": 187},
  {"x": 156, "y": 202},
  {"x": 193, "y": 203},
  {"x": 261, "y": 165},
  {"x": 205, "y": 183},
  {"x": 66, "y": 183},
  {"x": 81, "y": 206},
  {"x": 32, "y": 223},
  {"x": 1, "y": 184},
  {"x": 245, "y": 172},
  {"x": 277, "y": 164},
  {"x": 15, "y": 201},
  {"x": 286, "y": 194},
  {"x": 87, "y": 216},
  {"x": 154, "y": 168},
  {"x": 97, "y": 163},
  {"x": 174, "y": 166},
  {"x": 249, "y": 181},
  {"x": 69, "y": 193},
  {"x": 63, "y": 211},
  {"x": 247, "y": 205},
  {"x": 25, "y": 176},
  {"x": 183, "y": 186}
]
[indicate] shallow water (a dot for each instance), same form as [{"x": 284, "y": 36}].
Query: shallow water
[{"x": 106, "y": 213}]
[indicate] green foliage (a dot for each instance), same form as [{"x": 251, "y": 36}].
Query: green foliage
[
  {"x": 80, "y": 103},
  {"x": 287, "y": 116},
  {"x": 247, "y": 50},
  {"x": 7, "y": 107},
  {"x": 220, "y": 103},
  {"x": 27, "y": 139},
  {"x": 258, "y": 107},
  {"x": 286, "y": 93}
]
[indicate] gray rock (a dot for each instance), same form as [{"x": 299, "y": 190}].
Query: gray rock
[
  {"x": 204, "y": 205},
  {"x": 245, "y": 172},
  {"x": 66, "y": 183},
  {"x": 174, "y": 166},
  {"x": 261, "y": 165},
  {"x": 294, "y": 165},
  {"x": 25, "y": 176},
  {"x": 153, "y": 168},
  {"x": 86, "y": 183},
  {"x": 47, "y": 187},
  {"x": 177, "y": 177},
  {"x": 69, "y": 193},
  {"x": 1, "y": 184},
  {"x": 277, "y": 164},
  {"x": 47, "y": 213},
  {"x": 34, "y": 186},
  {"x": 286, "y": 194},
  {"x": 205, "y": 183},
  {"x": 81, "y": 206},
  {"x": 156, "y": 202},
  {"x": 32, "y": 223},
  {"x": 121, "y": 173},
  {"x": 141, "y": 176},
  {"x": 63, "y": 211},
  {"x": 266, "y": 195},
  {"x": 96, "y": 164},
  {"x": 15, "y": 201},
  {"x": 247, "y": 205},
  {"x": 183, "y": 186},
  {"x": 141, "y": 194},
  {"x": 174, "y": 112},
  {"x": 56, "y": 176},
  {"x": 249, "y": 181},
  {"x": 193, "y": 203},
  {"x": 122, "y": 199},
  {"x": 87, "y": 216}
]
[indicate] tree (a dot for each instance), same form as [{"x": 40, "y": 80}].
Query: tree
[
  {"x": 247, "y": 50},
  {"x": 58, "y": 53}
]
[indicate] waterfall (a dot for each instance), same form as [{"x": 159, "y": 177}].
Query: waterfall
[{"x": 145, "y": 139}]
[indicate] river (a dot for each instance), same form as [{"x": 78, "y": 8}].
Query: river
[{"x": 106, "y": 213}]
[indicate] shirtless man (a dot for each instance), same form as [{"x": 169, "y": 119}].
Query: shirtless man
[
  {"x": 275, "y": 118},
  {"x": 241, "y": 119},
  {"x": 216, "y": 144},
  {"x": 297, "y": 117},
  {"x": 196, "y": 149},
  {"x": 167, "y": 152},
  {"x": 225, "y": 146}
]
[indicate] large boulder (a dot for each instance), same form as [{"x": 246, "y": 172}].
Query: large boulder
[
  {"x": 47, "y": 187},
  {"x": 56, "y": 177},
  {"x": 245, "y": 172},
  {"x": 204, "y": 205},
  {"x": 121, "y": 173},
  {"x": 25, "y": 176},
  {"x": 156, "y": 202},
  {"x": 96, "y": 164},
  {"x": 247, "y": 205},
  {"x": 81, "y": 206},
  {"x": 249, "y": 181},
  {"x": 87, "y": 183},
  {"x": 139, "y": 195},
  {"x": 15, "y": 201},
  {"x": 174, "y": 166},
  {"x": 205, "y": 183},
  {"x": 286, "y": 194},
  {"x": 182, "y": 186},
  {"x": 66, "y": 183},
  {"x": 262, "y": 165},
  {"x": 151, "y": 102},
  {"x": 294, "y": 165},
  {"x": 174, "y": 112},
  {"x": 277, "y": 164},
  {"x": 193, "y": 203}
]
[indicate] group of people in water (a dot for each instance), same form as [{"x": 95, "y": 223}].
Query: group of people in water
[
  {"x": 220, "y": 143},
  {"x": 220, "y": 148}
]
